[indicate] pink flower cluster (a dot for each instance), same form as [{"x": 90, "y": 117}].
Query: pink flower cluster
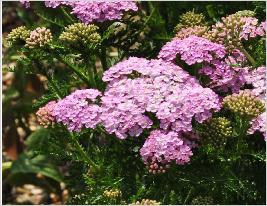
[
  {"x": 165, "y": 147},
  {"x": 251, "y": 29},
  {"x": 160, "y": 88},
  {"x": 192, "y": 50},
  {"x": 45, "y": 114},
  {"x": 257, "y": 78},
  {"x": 93, "y": 11},
  {"x": 224, "y": 77},
  {"x": 101, "y": 11},
  {"x": 55, "y": 3},
  {"x": 258, "y": 124},
  {"x": 191, "y": 31},
  {"x": 79, "y": 109}
]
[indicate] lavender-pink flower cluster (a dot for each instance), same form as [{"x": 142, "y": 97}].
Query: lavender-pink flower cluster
[
  {"x": 165, "y": 147},
  {"x": 160, "y": 88},
  {"x": 101, "y": 11},
  {"x": 224, "y": 77},
  {"x": 258, "y": 124},
  {"x": 79, "y": 109},
  {"x": 94, "y": 11},
  {"x": 257, "y": 78},
  {"x": 251, "y": 29},
  {"x": 192, "y": 50}
]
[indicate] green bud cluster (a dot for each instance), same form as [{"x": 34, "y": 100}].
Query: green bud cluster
[
  {"x": 112, "y": 194},
  {"x": 216, "y": 131},
  {"x": 245, "y": 13},
  {"x": 146, "y": 202},
  {"x": 39, "y": 38},
  {"x": 227, "y": 32},
  {"x": 80, "y": 33},
  {"x": 18, "y": 34},
  {"x": 199, "y": 200},
  {"x": 244, "y": 104},
  {"x": 190, "y": 19}
]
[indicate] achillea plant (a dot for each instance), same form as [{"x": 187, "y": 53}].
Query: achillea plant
[{"x": 175, "y": 121}]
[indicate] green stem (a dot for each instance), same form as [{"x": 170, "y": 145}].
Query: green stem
[
  {"x": 188, "y": 195},
  {"x": 249, "y": 57},
  {"x": 67, "y": 15},
  {"x": 75, "y": 70},
  {"x": 91, "y": 72},
  {"x": 50, "y": 80},
  {"x": 84, "y": 156},
  {"x": 103, "y": 59}
]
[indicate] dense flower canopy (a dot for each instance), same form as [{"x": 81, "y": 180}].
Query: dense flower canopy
[{"x": 161, "y": 88}]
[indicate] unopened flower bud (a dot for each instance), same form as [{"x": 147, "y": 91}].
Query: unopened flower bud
[
  {"x": 18, "y": 34},
  {"x": 39, "y": 38}
]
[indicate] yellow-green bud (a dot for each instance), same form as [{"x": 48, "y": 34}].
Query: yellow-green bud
[
  {"x": 244, "y": 104},
  {"x": 80, "y": 33},
  {"x": 216, "y": 131},
  {"x": 112, "y": 194},
  {"x": 245, "y": 13},
  {"x": 39, "y": 38},
  {"x": 18, "y": 34},
  {"x": 190, "y": 18},
  {"x": 227, "y": 32}
]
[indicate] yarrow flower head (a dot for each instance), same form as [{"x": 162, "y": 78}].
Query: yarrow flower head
[
  {"x": 39, "y": 38},
  {"x": 215, "y": 131},
  {"x": 192, "y": 50},
  {"x": 80, "y": 33},
  {"x": 224, "y": 77},
  {"x": 233, "y": 29},
  {"x": 190, "y": 19},
  {"x": 56, "y": 3},
  {"x": 257, "y": 78},
  {"x": 258, "y": 124},
  {"x": 244, "y": 104},
  {"x": 45, "y": 115},
  {"x": 165, "y": 147},
  {"x": 191, "y": 31},
  {"x": 100, "y": 11},
  {"x": 79, "y": 109},
  {"x": 18, "y": 34},
  {"x": 161, "y": 89}
]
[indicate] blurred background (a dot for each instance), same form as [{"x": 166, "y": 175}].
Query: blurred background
[{"x": 37, "y": 182}]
